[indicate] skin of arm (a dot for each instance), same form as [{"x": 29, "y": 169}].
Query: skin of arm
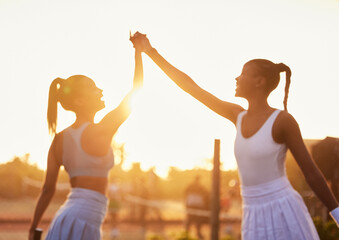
[
  {"x": 223, "y": 108},
  {"x": 115, "y": 118},
  {"x": 48, "y": 188},
  {"x": 103, "y": 132},
  {"x": 291, "y": 135}
]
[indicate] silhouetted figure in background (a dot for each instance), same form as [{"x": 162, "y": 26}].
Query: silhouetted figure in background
[
  {"x": 143, "y": 193},
  {"x": 115, "y": 198},
  {"x": 196, "y": 198},
  {"x": 154, "y": 212}
]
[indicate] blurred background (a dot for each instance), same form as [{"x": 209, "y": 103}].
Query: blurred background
[{"x": 168, "y": 139}]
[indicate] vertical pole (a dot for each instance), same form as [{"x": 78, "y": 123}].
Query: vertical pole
[{"x": 215, "y": 194}]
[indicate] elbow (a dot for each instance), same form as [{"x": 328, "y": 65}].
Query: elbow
[
  {"x": 311, "y": 180},
  {"x": 48, "y": 191},
  {"x": 311, "y": 172},
  {"x": 314, "y": 178}
]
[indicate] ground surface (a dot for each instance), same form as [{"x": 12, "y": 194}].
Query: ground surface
[{"x": 15, "y": 215}]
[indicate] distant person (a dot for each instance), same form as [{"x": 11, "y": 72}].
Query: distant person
[
  {"x": 272, "y": 209},
  {"x": 154, "y": 193},
  {"x": 226, "y": 201},
  {"x": 84, "y": 149},
  {"x": 114, "y": 205},
  {"x": 196, "y": 200},
  {"x": 143, "y": 193}
]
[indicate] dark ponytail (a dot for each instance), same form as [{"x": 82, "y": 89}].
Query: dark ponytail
[
  {"x": 52, "y": 110},
  {"x": 284, "y": 68},
  {"x": 271, "y": 72}
]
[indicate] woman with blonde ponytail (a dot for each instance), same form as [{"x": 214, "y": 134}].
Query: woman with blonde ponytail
[
  {"x": 84, "y": 149},
  {"x": 52, "y": 109},
  {"x": 272, "y": 209}
]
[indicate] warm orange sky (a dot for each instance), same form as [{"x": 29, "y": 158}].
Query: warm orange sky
[{"x": 209, "y": 40}]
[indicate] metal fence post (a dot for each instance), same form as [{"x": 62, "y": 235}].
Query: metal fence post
[{"x": 215, "y": 193}]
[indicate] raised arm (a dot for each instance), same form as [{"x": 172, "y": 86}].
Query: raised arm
[
  {"x": 48, "y": 188},
  {"x": 225, "y": 109},
  {"x": 291, "y": 135},
  {"x": 112, "y": 121},
  {"x": 101, "y": 134}
]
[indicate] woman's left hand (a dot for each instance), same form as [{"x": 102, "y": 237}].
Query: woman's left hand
[
  {"x": 135, "y": 39},
  {"x": 140, "y": 42}
]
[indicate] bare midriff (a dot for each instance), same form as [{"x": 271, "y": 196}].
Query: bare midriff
[{"x": 98, "y": 184}]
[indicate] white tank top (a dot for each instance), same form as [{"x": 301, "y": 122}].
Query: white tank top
[
  {"x": 260, "y": 159},
  {"x": 79, "y": 163}
]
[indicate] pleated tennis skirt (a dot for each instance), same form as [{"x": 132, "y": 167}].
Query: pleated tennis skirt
[
  {"x": 275, "y": 211},
  {"x": 80, "y": 217}
]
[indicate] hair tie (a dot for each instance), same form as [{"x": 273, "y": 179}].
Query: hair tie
[
  {"x": 280, "y": 67},
  {"x": 58, "y": 85}
]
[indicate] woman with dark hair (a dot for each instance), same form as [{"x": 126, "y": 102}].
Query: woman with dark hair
[
  {"x": 84, "y": 149},
  {"x": 272, "y": 209}
]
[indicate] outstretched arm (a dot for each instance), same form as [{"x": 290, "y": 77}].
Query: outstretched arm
[
  {"x": 48, "y": 188},
  {"x": 225, "y": 109},
  {"x": 112, "y": 121},
  {"x": 104, "y": 131},
  {"x": 293, "y": 139}
]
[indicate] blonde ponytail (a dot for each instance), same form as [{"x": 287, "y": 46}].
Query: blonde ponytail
[{"x": 52, "y": 110}]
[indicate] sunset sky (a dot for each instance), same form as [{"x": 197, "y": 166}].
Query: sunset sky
[{"x": 209, "y": 40}]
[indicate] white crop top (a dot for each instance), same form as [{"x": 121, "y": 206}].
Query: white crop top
[
  {"x": 260, "y": 159},
  {"x": 79, "y": 163}
]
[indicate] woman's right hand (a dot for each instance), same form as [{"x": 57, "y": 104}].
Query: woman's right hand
[
  {"x": 141, "y": 42},
  {"x": 31, "y": 234}
]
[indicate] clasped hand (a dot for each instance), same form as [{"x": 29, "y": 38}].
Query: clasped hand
[{"x": 140, "y": 42}]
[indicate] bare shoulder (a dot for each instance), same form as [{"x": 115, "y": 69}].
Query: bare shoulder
[
  {"x": 57, "y": 146},
  {"x": 284, "y": 125},
  {"x": 285, "y": 119},
  {"x": 58, "y": 139}
]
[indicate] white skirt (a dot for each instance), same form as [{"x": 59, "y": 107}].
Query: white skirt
[
  {"x": 80, "y": 217},
  {"x": 274, "y": 210}
]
